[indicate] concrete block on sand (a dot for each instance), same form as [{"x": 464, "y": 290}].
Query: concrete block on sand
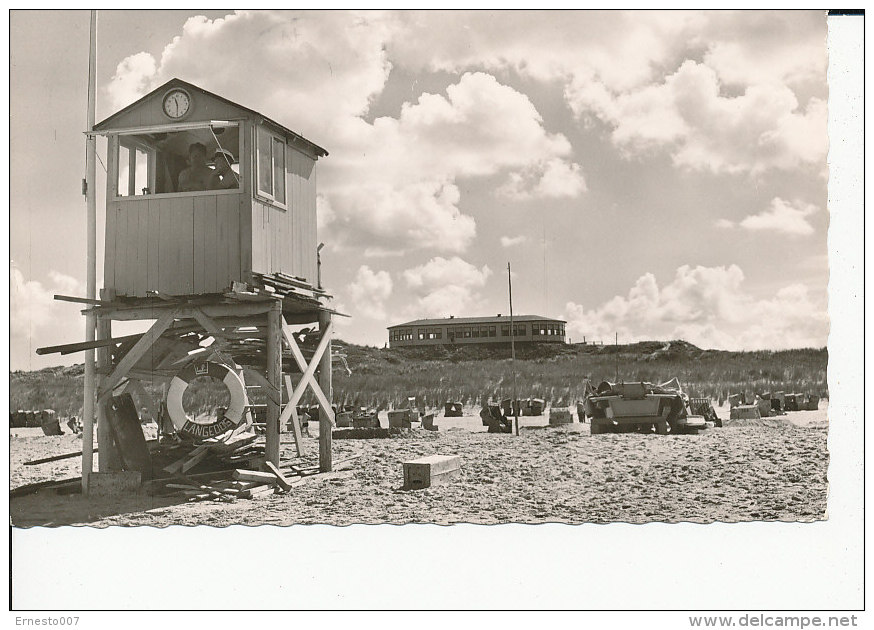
[
  {"x": 399, "y": 419},
  {"x": 560, "y": 416},
  {"x": 430, "y": 471},
  {"x": 748, "y": 412},
  {"x": 114, "y": 484}
]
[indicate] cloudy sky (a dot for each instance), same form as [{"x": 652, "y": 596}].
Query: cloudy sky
[{"x": 659, "y": 175}]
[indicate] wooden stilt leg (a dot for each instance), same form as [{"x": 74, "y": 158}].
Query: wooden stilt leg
[
  {"x": 109, "y": 458},
  {"x": 325, "y": 424},
  {"x": 274, "y": 377}
]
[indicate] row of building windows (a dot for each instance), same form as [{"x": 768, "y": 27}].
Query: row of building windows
[
  {"x": 474, "y": 332},
  {"x": 547, "y": 329}
]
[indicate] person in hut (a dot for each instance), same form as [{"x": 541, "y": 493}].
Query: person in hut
[
  {"x": 224, "y": 177},
  {"x": 198, "y": 176}
]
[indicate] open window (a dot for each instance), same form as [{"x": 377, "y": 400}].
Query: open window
[
  {"x": 270, "y": 148},
  {"x": 158, "y": 162}
]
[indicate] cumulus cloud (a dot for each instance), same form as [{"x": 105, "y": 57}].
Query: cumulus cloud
[
  {"x": 728, "y": 92},
  {"x": 704, "y": 129},
  {"x": 555, "y": 178},
  {"x": 391, "y": 182},
  {"x": 36, "y": 319},
  {"x": 412, "y": 200},
  {"x": 512, "y": 241},
  {"x": 709, "y": 307},
  {"x": 132, "y": 79},
  {"x": 369, "y": 291},
  {"x": 780, "y": 216},
  {"x": 446, "y": 286}
]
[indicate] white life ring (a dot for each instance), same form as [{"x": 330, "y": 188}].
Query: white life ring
[{"x": 234, "y": 414}]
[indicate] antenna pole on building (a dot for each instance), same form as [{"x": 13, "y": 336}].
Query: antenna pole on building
[
  {"x": 91, "y": 284},
  {"x": 513, "y": 348}
]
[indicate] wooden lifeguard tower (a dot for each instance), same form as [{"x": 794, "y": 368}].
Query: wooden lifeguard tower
[{"x": 225, "y": 271}]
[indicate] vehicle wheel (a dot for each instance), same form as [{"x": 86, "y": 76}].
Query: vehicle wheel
[
  {"x": 661, "y": 428},
  {"x": 595, "y": 427}
]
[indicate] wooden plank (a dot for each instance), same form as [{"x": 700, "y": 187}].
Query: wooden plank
[
  {"x": 186, "y": 254},
  {"x": 225, "y": 233},
  {"x": 80, "y": 300},
  {"x": 234, "y": 207},
  {"x": 274, "y": 377},
  {"x": 69, "y": 348},
  {"x": 56, "y": 458},
  {"x": 176, "y": 466},
  {"x": 142, "y": 271},
  {"x": 167, "y": 263},
  {"x": 131, "y": 263},
  {"x": 280, "y": 478},
  {"x": 254, "y": 475},
  {"x": 153, "y": 244},
  {"x": 193, "y": 461},
  {"x": 204, "y": 251},
  {"x": 109, "y": 260}
]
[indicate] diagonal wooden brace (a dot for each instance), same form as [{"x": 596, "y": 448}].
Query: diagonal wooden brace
[
  {"x": 135, "y": 354},
  {"x": 309, "y": 371},
  {"x": 295, "y": 421}
]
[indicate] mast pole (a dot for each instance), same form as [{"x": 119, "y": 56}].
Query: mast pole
[
  {"x": 91, "y": 235},
  {"x": 513, "y": 348}
]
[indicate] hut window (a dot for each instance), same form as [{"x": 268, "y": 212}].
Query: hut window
[
  {"x": 491, "y": 331},
  {"x": 271, "y": 166},
  {"x": 134, "y": 169},
  {"x": 151, "y": 163},
  {"x": 505, "y": 330}
]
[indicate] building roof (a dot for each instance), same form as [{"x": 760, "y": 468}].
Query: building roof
[
  {"x": 106, "y": 123},
  {"x": 501, "y": 319}
]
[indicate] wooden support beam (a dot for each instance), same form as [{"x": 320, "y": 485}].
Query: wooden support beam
[
  {"x": 155, "y": 311},
  {"x": 274, "y": 377},
  {"x": 326, "y": 415},
  {"x": 295, "y": 421},
  {"x": 135, "y": 353}
]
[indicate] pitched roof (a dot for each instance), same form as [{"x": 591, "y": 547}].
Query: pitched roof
[
  {"x": 179, "y": 82},
  {"x": 503, "y": 319}
]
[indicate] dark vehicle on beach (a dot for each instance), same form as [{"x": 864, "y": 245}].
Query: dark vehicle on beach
[{"x": 641, "y": 408}]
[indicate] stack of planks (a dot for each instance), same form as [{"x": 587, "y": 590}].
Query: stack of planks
[
  {"x": 287, "y": 285},
  {"x": 247, "y": 484},
  {"x": 238, "y": 450}
]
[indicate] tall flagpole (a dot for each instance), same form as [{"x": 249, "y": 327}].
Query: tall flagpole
[
  {"x": 91, "y": 231},
  {"x": 513, "y": 348}
]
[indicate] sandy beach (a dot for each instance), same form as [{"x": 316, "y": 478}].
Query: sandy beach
[{"x": 769, "y": 469}]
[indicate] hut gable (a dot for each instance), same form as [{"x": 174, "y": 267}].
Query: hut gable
[{"x": 205, "y": 106}]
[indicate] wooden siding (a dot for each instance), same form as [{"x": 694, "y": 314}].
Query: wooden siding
[
  {"x": 203, "y": 108},
  {"x": 176, "y": 245},
  {"x": 285, "y": 240}
]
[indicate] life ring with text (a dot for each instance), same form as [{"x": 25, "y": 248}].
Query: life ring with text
[{"x": 232, "y": 417}]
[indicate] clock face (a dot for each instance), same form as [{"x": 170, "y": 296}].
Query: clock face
[{"x": 176, "y": 103}]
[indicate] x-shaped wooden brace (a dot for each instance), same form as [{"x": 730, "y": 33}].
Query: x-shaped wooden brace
[
  {"x": 309, "y": 371},
  {"x": 135, "y": 354}
]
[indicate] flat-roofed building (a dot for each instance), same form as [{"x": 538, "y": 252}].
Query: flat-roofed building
[{"x": 476, "y": 330}]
